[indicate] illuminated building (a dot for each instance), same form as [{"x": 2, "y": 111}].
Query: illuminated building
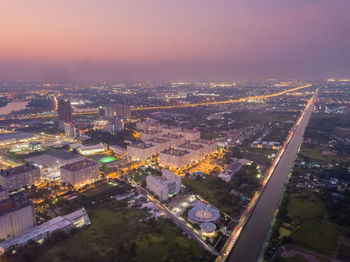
[
  {"x": 35, "y": 146},
  {"x": 71, "y": 130},
  {"x": 50, "y": 163},
  {"x": 189, "y": 134},
  {"x": 93, "y": 149},
  {"x": 210, "y": 146},
  {"x": 208, "y": 230},
  {"x": 174, "y": 158},
  {"x": 160, "y": 144},
  {"x": 202, "y": 213},
  {"x": 40, "y": 233},
  {"x": 81, "y": 172},
  {"x": 148, "y": 134},
  {"x": 18, "y": 177},
  {"x": 148, "y": 124},
  {"x": 15, "y": 137},
  {"x": 197, "y": 151},
  {"x": 117, "y": 111},
  {"x": 141, "y": 150},
  {"x": 175, "y": 139},
  {"x": 101, "y": 112},
  {"x": 118, "y": 149},
  {"x": 15, "y": 217},
  {"x": 64, "y": 113},
  {"x": 165, "y": 186}
]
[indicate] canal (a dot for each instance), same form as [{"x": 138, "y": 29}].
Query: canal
[{"x": 254, "y": 234}]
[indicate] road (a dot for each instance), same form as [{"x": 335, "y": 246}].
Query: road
[{"x": 254, "y": 234}]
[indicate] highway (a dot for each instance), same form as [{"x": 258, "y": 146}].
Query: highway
[{"x": 252, "y": 237}]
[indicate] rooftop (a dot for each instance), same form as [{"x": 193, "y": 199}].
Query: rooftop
[
  {"x": 208, "y": 227},
  {"x": 17, "y": 170},
  {"x": 152, "y": 132},
  {"x": 175, "y": 152},
  {"x": 64, "y": 155},
  {"x": 80, "y": 165},
  {"x": 205, "y": 141},
  {"x": 92, "y": 147},
  {"x": 158, "y": 140},
  {"x": 57, "y": 223},
  {"x": 202, "y": 213},
  {"x": 191, "y": 146},
  {"x": 16, "y": 135},
  {"x": 172, "y": 136},
  {"x": 141, "y": 145},
  {"x": 10, "y": 205}
]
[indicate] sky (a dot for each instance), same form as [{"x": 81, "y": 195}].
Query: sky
[{"x": 132, "y": 40}]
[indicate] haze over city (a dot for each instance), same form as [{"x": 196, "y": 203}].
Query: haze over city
[{"x": 169, "y": 40}]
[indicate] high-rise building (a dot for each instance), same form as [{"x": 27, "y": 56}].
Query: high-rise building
[
  {"x": 81, "y": 172},
  {"x": 15, "y": 217},
  {"x": 64, "y": 113},
  {"x": 101, "y": 112},
  {"x": 117, "y": 111},
  {"x": 71, "y": 130},
  {"x": 164, "y": 186},
  {"x": 20, "y": 176}
]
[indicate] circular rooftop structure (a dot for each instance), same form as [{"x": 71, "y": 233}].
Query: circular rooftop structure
[
  {"x": 208, "y": 227},
  {"x": 201, "y": 213}
]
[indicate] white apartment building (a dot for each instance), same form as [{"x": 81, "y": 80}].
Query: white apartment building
[
  {"x": 141, "y": 151},
  {"x": 174, "y": 158},
  {"x": 164, "y": 186}
]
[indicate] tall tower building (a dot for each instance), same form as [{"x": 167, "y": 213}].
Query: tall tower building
[{"x": 64, "y": 113}]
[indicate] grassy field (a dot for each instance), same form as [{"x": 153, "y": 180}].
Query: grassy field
[
  {"x": 120, "y": 236},
  {"x": 317, "y": 236},
  {"x": 315, "y": 154},
  {"x": 216, "y": 194},
  {"x": 98, "y": 190},
  {"x": 305, "y": 208}
]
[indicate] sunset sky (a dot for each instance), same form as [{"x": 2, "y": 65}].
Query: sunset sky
[{"x": 174, "y": 39}]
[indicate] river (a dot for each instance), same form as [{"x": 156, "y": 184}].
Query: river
[
  {"x": 13, "y": 106},
  {"x": 254, "y": 234}
]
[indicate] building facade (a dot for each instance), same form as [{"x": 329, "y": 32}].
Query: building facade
[
  {"x": 18, "y": 177},
  {"x": 164, "y": 186},
  {"x": 71, "y": 130},
  {"x": 15, "y": 217},
  {"x": 174, "y": 158},
  {"x": 117, "y": 111},
  {"x": 81, "y": 172},
  {"x": 141, "y": 151}
]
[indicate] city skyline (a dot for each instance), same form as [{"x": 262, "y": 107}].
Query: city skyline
[{"x": 164, "y": 40}]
